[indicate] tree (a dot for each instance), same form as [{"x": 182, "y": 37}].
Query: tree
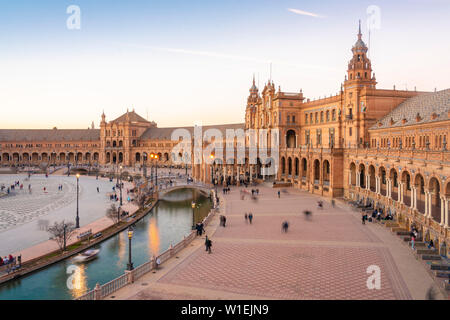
[
  {"x": 112, "y": 214},
  {"x": 61, "y": 232},
  {"x": 141, "y": 200}
]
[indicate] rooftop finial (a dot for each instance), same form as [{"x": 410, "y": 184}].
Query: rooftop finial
[{"x": 359, "y": 31}]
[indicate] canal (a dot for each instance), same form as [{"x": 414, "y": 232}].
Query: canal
[{"x": 166, "y": 224}]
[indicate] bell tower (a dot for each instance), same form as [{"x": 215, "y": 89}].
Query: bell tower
[
  {"x": 251, "y": 109},
  {"x": 359, "y": 78},
  {"x": 359, "y": 70}
]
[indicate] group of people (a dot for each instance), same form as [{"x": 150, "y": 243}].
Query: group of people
[
  {"x": 200, "y": 228},
  {"x": 377, "y": 214},
  {"x": 226, "y": 190},
  {"x": 7, "y": 260},
  {"x": 248, "y": 217}
]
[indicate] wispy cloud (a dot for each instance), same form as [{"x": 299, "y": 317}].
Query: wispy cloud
[
  {"x": 227, "y": 56},
  {"x": 305, "y": 13}
]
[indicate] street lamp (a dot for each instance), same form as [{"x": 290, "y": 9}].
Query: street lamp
[
  {"x": 118, "y": 214},
  {"x": 193, "y": 215},
  {"x": 155, "y": 156},
  {"x": 77, "y": 220},
  {"x": 130, "y": 236},
  {"x": 120, "y": 174},
  {"x": 212, "y": 165}
]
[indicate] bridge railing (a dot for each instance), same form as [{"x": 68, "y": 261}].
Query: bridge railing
[{"x": 102, "y": 291}]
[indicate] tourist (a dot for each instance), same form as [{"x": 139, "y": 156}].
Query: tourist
[
  {"x": 307, "y": 214},
  {"x": 1, "y": 261},
  {"x": 413, "y": 238},
  {"x": 431, "y": 244},
  {"x": 320, "y": 204},
  {"x": 250, "y": 217},
  {"x": 224, "y": 221},
  {"x": 246, "y": 217},
  {"x": 279, "y": 193},
  {"x": 363, "y": 217},
  {"x": 333, "y": 204},
  {"x": 98, "y": 189},
  {"x": 208, "y": 244},
  {"x": 285, "y": 226}
]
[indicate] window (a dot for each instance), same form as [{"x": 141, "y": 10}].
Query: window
[
  {"x": 316, "y": 116},
  {"x": 350, "y": 131},
  {"x": 293, "y": 119},
  {"x": 333, "y": 115},
  {"x": 288, "y": 119},
  {"x": 306, "y": 118},
  {"x": 321, "y": 116},
  {"x": 328, "y": 116}
]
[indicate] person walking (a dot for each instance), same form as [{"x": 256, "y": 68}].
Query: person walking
[
  {"x": 246, "y": 217},
  {"x": 224, "y": 221},
  {"x": 250, "y": 217},
  {"x": 285, "y": 226},
  {"x": 279, "y": 193},
  {"x": 363, "y": 217},
  {"x": 208, "y": 244}
]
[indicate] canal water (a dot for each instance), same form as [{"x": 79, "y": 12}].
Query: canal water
[{"x": 170, "y": 220}]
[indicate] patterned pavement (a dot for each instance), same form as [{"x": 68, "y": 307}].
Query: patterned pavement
[{"x": 325, "y": 257}]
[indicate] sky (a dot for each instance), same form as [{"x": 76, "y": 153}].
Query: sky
[{"x": 184, "y": 62}]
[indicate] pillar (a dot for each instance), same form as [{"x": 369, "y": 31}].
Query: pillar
[
  {"x": 446, "y": 215},
  {"x": 413, "y": 197},
  {"x": 427, "y": 211},
  {"x": 389, "y": 188},
  {"x": 442, "y": 198},
  {"x": 367, "y": 182},
  {"x": 358, "y": 178}
]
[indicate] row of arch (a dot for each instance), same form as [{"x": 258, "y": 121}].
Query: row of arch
[
  {"x": 408, "y": 188},
  {"x": 293, "y": 166},
  {"x": 49, "y": 158}
]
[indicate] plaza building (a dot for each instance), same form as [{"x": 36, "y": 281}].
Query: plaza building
[{"x": 386, "y": 145}]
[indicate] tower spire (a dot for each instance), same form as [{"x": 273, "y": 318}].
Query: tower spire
[{"x": 359, "y": 31}]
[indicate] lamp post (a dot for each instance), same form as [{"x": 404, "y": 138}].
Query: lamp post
[
  {"x": 130, "y": 236},
  {"x": 193, "y": 215},
  {"x": 118, "y": 214},
  {"x": 212, "y": 165},
  {"x": 155, "y": 157},
  {"x": 77, "y": 220},
  {"x": 120, "y": 185}
]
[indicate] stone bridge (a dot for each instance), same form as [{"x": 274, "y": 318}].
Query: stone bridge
[{"x": 204, "y": 188}]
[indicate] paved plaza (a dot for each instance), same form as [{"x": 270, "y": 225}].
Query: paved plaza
[
  {"x": 24, "y": 216},
  {"x": 325, "y": 257}
]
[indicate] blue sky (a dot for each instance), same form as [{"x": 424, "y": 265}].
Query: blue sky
[{"x": 189, "y": 61}]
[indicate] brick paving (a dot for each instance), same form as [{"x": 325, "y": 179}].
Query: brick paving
[{"x": 323, "y": 258}]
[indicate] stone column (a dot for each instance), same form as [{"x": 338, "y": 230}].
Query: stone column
[
  {"x": 413, "y": 197},
  {"x": 358, "y": 178},
  {"x": 442, "y": 198},
  {"x": 400, "y": 192},
  {"x": 377, "y": 185},
  {"x": 427, "y": 200},
  {"x": 367, "y": 182},
  {"x": 389, "y": 188},
  {"x": 238, "y": 174},
  {"x": 446, "y": 215}
]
